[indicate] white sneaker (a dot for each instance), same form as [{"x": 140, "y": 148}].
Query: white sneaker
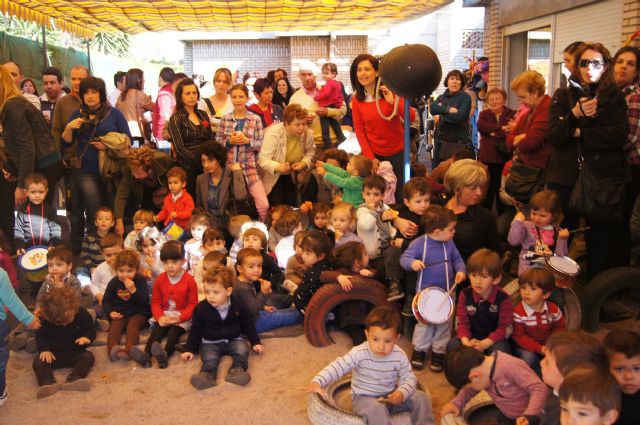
[{"x": 4, "y": 398}]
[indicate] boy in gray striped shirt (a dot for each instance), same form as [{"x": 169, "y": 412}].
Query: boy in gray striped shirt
[{"x": 382, "y": 382}]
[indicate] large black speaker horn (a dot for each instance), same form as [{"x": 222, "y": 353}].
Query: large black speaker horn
[{"x": 411, "y": 71}]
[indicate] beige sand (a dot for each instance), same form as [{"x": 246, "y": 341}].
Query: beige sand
[{"x": 124, "y": 393}]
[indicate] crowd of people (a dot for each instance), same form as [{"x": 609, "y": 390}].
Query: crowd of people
[{"x": 221, "y": 217}]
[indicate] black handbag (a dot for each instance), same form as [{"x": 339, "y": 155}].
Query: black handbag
[
  {"x": 524, "y": 181},
  {"x": 450, "y": 143},
  {"x": 244, "y": 207},
  {"x": 595, "y": 197}
]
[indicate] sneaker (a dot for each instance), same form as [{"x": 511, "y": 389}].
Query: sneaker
[
  {"x": 123, "y": 355},
  {"x": 437, "y": 362},
  {"x": 160, "y": 355},
  {"x": 181, "y": 347},
  {"x": 103, "y": 325},
  {"x": 417, "y": 359},
  {"x": 140, "y": 357},
  {"x": 47, "y": 390},
  {"x": 76, "y": 385},
  {"x": 407, "y": 306},
  {"x": 117, "y": 353},
  {"x": 4, "y": 397},
  {"x": 238, "y": 376},
  {"x": 202, "y": 380},
  {"x": 395, "y": 292}
]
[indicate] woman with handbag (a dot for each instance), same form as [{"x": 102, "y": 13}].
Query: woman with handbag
[
  {"x": 219, "y": 103},
  {"x": 222, "y": 190},
  {"x": 286, "y": 154},
  {"x": 453, "y": 108},
  {"x": 588, "y": 128},
  {"x": 94, "y": 119},
  {"x": 133, "y": 103},
  {"x": 492, "y": 125},
  {"x": 528, "y": 137}
]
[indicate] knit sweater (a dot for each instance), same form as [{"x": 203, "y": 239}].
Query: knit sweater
[
  {"x": 10, "y": 300},
  {"x": 534, "y": 239},
  {"x": 207, "y": 324},
  {"x": 36, "y": 225},
  {"x": 118, "y": 298},
  {"x": 90, "y": 252},
  {"x": 181, "y": 296},
  {"x": 489, "y": 318},
  {"x": 531, "y": 329},
  {"x": 71, "y": 281},
  {"x": 62, "y": 338},
  {"x": 372, "y": 376},
  {"x": 433, "y": 254},
  {"x": 351, "y": 185},
  {"x": 182, "y": 206}
]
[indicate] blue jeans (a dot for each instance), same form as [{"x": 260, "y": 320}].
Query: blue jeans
[
  {"x": 211, "y": 353},
  {"x": 87, "y": 195},
  {"x": 531, "y": 358},
  {"x": 4, "y": 354},
  {"x": 277, "y": 319}
]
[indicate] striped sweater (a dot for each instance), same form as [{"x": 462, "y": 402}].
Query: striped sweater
[
  {"x": 372, "y": 377},
  {"x": 531, "y": 329}
]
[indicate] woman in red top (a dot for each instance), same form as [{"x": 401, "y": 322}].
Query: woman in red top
[
  {"x": 269, "y": 112},
  {"x": 379, "y": 139}
]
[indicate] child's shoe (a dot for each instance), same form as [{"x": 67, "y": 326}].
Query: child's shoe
[
  {"x": 103, "y": 325},
  {"x": 417, "y": 359},
  {"x": 202, "y": 380},
  {"x": 92, "y": 313},
  {"x": 160, "y": 355},
  {"x": 181, "y": 347},
  {"x": 395, "y": 291},
  {"x": 32, "y": 345},
  {"x": 407, "y": 306},
  {"x": 3, "y": 398},
  {"x": 140, "y": 357},
  {"x": 437, "y": 362},
  {"x": 80, "y": 384},
  {"x": 117, "y": 353},
  {"x": 47, "y": 390},
  {"x": 238, "y": 376}
]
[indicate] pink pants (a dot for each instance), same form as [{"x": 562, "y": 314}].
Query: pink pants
[{"x": 260, "y": 197}]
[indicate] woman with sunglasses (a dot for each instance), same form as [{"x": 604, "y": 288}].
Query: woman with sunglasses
[{"x": 588, "y": 120}]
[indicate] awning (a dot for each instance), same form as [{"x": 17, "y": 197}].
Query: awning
[{"x": 86, "y": 17}]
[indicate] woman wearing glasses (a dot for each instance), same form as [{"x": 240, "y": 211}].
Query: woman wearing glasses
[{"x": 588, "y": 120}]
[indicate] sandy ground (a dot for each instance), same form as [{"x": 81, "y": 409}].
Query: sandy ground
[{"x": 125, "y": 393}]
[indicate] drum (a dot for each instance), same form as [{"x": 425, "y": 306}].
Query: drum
[
  {"x": 564, "y": 269},
  {"x": 173, "y": 232},
  {"x": 432, "y": 306},
  {"x": 34, "y": 263}
]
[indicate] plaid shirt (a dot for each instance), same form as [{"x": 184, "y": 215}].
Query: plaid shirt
[
  {"x": 245, "y": 155},
  {"x": 632, "y": 148}
]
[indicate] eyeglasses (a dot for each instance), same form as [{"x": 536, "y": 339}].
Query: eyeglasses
[{"x": 583, "y": 63}]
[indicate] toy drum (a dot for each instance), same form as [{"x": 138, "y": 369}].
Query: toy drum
[
  {"x": 564, "y": 269},
  {"x": 34, "y": 263},
  {"x": 173, "y": 232},
  {"x": 432, "y": 306}
]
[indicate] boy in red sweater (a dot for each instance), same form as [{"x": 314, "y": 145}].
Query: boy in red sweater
[
  {"x": 535, "y": 318},
  {"x": 174, "y": 298},
  {"x": 178, "y": 204},
  {"x": 330, "y": 96}
]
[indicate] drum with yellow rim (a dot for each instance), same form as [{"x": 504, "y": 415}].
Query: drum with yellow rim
[{"x": 34, "y": 263}]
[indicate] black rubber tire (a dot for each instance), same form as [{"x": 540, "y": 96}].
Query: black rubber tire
[
  {"x": 602, "y": 287},
  {"x": 328, "y": 297}
]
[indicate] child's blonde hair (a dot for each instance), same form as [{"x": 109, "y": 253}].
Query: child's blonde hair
[
  {"x": 344, "y": 207},
  {"x": 219, "y": 275},
  {"x": 548, "y": 200},
  {"x": 363, "y": 165},
  {"x": 177, "y": 172},
  {"x": 255, "y": 232},
  {"x": 144, "y": 215}
]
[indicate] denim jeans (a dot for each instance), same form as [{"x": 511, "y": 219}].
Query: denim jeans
[
  {"x": 532, "y": 359},
  {"x": 87, "y": 195},
  {"x": 277, "y": 319},
  {"x": 376, "y": 413},
  {"x": 211, "y": 353},
  {"x": 4, "y": 354}
]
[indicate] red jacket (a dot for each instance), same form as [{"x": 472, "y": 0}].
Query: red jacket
[
  {"x": 534, "y": 149},
  {"x": 330, "y": 96},
  {"x": 184, "y": 294},
  {"x": 183, "y": 206},
  {"x": 377, "y": 136},
  {"x": 487, "y": 124},
  {"x": 531, "y": 331}
]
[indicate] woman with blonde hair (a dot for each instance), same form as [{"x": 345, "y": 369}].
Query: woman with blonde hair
[
  {"x": 219, "y": 103},
  {"x": 476, "y": 228}
]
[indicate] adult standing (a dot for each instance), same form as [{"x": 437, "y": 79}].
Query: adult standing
[
  {"x": 53, "y": 82},
  {"x": 492, "y": 124},
  {"x": 265, "y": 108},
  {"x": 95, "y": 118},
  {"x": 190, "y": 130},
  {"x": 287, "y": 150},
  {"x": 143, "y": 183},
  {"x": 590, "y": 121},
  {"x": 163, "y": 107},
  {"x": 119, "y": 79},
  {"x": 133, "y": 103},
  {"x": 476, "y": 227},
  {"x": 305, "y": 98},
  {"x": 220, "y": 103},
  {"x": 379, "y": 139},
  {"x": 27, "y": 139},
  {"x": 283, "y": 92},
  {"x": 453, "y": 108},
  {"x": 16, "y": 73}
]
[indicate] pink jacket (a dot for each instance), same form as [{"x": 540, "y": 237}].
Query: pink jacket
[{"x": 330, "y": 95}]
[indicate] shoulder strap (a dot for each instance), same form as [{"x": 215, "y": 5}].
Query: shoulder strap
[{"x": 212, "y": 110}]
